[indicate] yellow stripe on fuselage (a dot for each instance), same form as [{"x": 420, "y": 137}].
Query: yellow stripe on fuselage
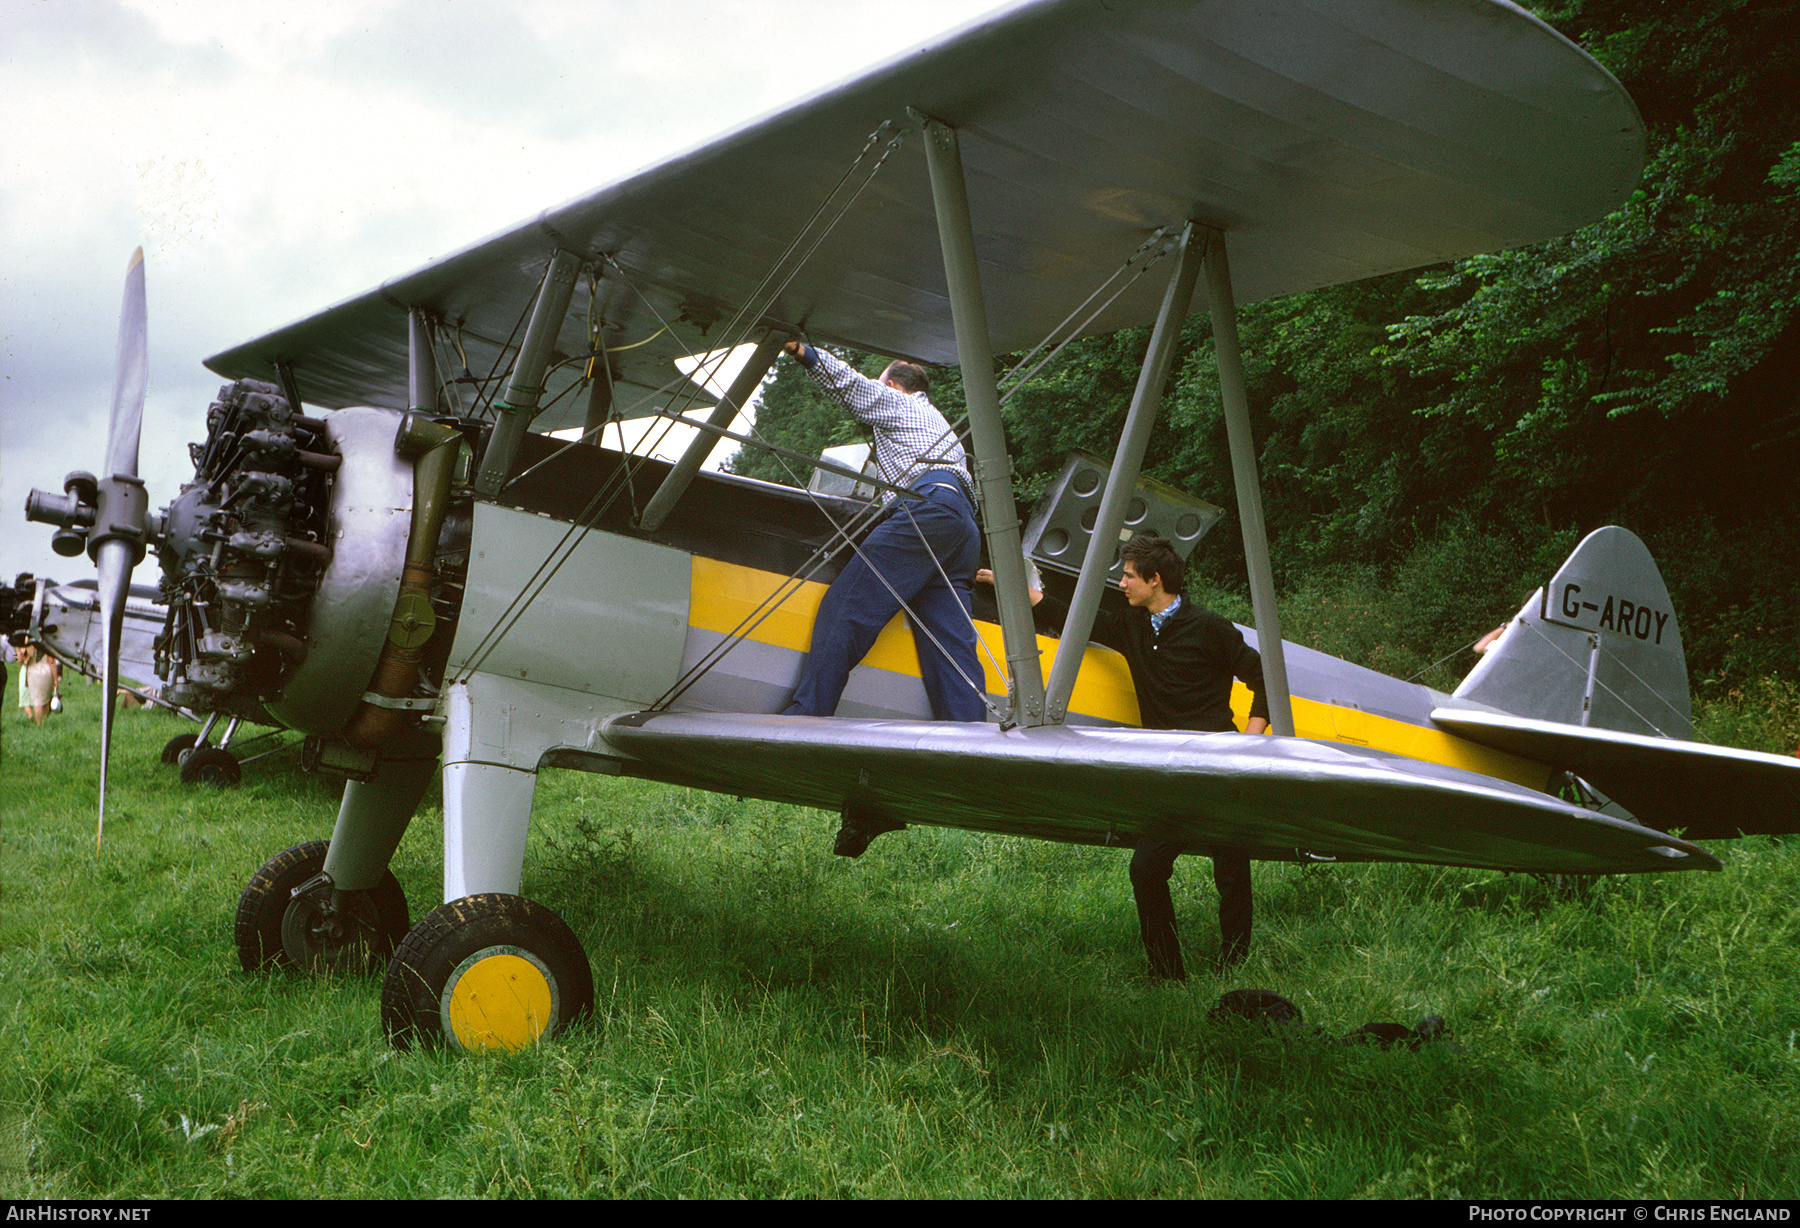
[{"x": 726, "y": 595}]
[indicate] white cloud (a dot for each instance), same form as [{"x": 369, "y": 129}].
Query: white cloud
[{"x": 275, "y": 157}]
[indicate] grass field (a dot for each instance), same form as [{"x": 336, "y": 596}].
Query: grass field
[{"x": 952, "y": 1015}]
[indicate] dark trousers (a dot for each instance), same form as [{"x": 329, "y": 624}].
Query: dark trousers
[
  {"x": 923, "y": 554},
  {"x": 1152, "y": 865}
]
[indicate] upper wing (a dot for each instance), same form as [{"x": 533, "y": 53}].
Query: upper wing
[
  {"x": 1332, "y": 141},
  {"x": 1278, "y": 798},
  {"x": 1710, "y": 791}
]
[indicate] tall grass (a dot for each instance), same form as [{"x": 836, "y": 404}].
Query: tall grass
[{"x": 951, "y": 1015}]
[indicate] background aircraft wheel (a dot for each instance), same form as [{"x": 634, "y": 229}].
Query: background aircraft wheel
[
  {"x": 178, "y": 746},
  {"x": 273, "y": 929},
  {"x": 211, "y": 765},
  {"x": 486, "y": 972}
]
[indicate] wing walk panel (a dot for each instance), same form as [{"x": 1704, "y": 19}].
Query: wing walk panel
[{"x": 1281, "y": 798}]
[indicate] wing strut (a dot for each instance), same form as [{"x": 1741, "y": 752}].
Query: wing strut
[
  {"x": 520, "y": 405},
  {"x": 1249, "y": 491},
  {"x": 703, "y": 443},
  {"x": 421, "y": 364},
  {"x": 993, "y": 468},
  {"x": 1126, "y": 462}
]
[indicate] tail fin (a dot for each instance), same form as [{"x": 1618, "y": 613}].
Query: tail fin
[{"x": 1599, "y": 647}]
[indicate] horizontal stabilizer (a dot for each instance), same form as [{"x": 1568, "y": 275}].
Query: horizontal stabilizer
[
  {"x": 1714, "y": 792},
  {"x": 1279, "y": 798}
]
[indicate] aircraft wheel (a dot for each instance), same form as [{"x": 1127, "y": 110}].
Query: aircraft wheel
[
  {"x": 177, "y": 747},
  {"x": 276, "y": 929},
  {"x": 211, "y": 765},
  {"x": 486, "y": 972}
]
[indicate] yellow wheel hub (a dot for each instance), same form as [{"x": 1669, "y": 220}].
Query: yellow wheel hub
[{"x": 499, "y": 998}]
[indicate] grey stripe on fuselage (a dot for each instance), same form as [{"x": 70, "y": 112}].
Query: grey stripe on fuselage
[{"x": 1323, "y": 678}]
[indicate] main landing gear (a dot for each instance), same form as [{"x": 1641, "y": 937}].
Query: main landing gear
[
  {"x": 290, "y": 916},
  {"x": 204, "y": 761},
  {"x": 202, "y": 765},
  {"x": 486, "y": 972},
  {"x": 483, "y": 973}
]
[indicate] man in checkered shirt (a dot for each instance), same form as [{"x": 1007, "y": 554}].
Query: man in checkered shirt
[{"x": 922, "y": 554}]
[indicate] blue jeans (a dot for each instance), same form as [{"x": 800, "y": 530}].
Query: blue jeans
[{"x": 914, "y": 549}]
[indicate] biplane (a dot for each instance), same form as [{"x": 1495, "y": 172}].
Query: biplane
[{"x": 387, "y": 546}]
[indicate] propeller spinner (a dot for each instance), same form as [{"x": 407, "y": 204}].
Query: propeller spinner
[{"x": 110, "y": 515}]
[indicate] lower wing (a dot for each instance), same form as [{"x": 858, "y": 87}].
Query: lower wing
[{"x": 1278, "y": 798}]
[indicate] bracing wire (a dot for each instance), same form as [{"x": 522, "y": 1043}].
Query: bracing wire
[
  {"x": 845, "y": 532},
  {"x": 1601, "y": 683},
  {"x": 1150, "y": 247},
  {"x": 578, "y": 531}
]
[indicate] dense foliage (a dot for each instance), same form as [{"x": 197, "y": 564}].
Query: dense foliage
[{"x": 1454, "y": 430}]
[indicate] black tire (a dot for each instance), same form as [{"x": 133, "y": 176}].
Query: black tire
[
  {"x": 486, "y": 972},
  {"x": 211, "y": 765},
  {"x": 177, "y": 746},
  {"x": 268, "y": 915}
]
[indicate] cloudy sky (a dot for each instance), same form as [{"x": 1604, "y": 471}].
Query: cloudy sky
[{"x": 275, "y": 157}]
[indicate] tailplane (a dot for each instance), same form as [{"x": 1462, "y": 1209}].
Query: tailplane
[{"x": 1599, "y": 647}]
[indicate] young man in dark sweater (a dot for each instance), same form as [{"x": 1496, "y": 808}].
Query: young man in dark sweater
[{"x": 1183, "y": 659}]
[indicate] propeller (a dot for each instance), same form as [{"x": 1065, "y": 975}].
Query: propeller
[{"x": 116, "y": 540}]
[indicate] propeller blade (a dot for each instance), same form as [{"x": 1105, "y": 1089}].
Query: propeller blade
[
  {"x": 114, "y": 557},
  {"x": 131, "y": 376},
  {"x": 114, "y": 562}
]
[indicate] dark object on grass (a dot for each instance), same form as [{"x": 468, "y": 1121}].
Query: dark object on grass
[
  {"x": 1263, "y": 1006},
  {"x": 1387, "y": 1035},
  {"x": 1278, "y": 1016}
]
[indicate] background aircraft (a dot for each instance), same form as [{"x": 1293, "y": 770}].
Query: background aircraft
[
  {"x": 67, "y": 620},
  {"x": 418, "y": 576}
]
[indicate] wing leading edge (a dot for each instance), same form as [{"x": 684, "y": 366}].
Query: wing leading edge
[
  {"x": 1281, "y": 798},
  {"x": 1332, "y": 142}
]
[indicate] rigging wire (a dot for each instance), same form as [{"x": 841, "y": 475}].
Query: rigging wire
[
  {"x": 447, "y": 390},
  {"x": 490, "y": 385},
  {"x": 738, "y": 327},
  {"x": 954, "y": 430},
  {"x": 1160, "y": 236},
  {"x": 775, "y": 599},
  {"x": 590, "y": 514},
  {"x": 1601, "y": 683}
]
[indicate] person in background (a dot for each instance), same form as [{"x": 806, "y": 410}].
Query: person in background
[{"x": 41, "y": 676}]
